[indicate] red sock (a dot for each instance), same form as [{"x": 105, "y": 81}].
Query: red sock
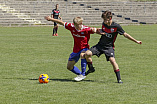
[
  {"x": 89, "y": 62},
  {"x": 116, "y": 70}
]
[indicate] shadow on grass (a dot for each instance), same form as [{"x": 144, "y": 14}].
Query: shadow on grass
[
  {"x": 61, "y": 80},
  {"x": 67, "y": 80},
  {"x": 64, "y": 80}
]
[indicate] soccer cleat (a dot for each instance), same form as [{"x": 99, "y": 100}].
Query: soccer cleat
[
  {"x": 53, "y": 35},
  {"x": 120, "y": 81},
  {"x": 79, "y": 77},
  {"x": 56, "y": 34},
  {"x": 91, "y": 70}
]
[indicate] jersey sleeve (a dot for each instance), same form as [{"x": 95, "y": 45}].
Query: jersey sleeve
[
  {"x": 91, "y": 30},
  {"x": 52, "y": 12},
  {"x": 59, "y": 12},
  {"x": 67, "y": 25},
  {"x": 120, "y": 30}
]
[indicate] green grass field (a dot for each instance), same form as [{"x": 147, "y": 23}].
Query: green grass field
[{"x": 27, "y": 52}]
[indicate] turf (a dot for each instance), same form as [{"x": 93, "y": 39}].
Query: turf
[{"x": 27, "y": 52}]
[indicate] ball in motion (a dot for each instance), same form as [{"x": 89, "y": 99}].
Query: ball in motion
[{"x": 43, "y": 78}]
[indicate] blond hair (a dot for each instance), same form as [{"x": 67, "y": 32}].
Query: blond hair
[{"x": 78, "y": 20}]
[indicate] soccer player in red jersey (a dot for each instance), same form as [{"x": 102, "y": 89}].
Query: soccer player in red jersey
[
  {"x": 81, "y": 35},
  {"x": 106, "y": 44},
  {"x": 55, "y": 14}
]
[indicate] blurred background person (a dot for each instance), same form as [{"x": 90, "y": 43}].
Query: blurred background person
[{"x": 55, "y": 14}]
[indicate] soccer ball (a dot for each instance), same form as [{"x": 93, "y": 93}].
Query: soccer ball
[{"x": 43, "y": 78}]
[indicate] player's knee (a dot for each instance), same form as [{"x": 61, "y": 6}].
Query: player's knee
[
  {"x": 69, "y": 67},
  {"x": 88, "y": 54},
  {"x": 55, "y": 26},
  {"x": 82, "y": 55}
]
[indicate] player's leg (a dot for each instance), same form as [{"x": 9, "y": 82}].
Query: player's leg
[
  {"x": 116, "y": 68},
  {"x": 56, "y": 30},
  {"x": 83, "y": 63},
  {"x": 88, "y": 56},
  {"x": 72, "y": 68},
  {"x": 110, "y": 56},
  {"x": 73, "y": 59},
  {"x": 75, "y": 70}
]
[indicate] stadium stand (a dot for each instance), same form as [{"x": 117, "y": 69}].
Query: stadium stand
[{"x": 32, "y": 12}]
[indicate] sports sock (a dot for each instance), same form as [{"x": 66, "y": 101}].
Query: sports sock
[
  {"x": 54, "y": 30},
  {"x": 83, "y": 66},
  {"x": 90, "y": 65},
  {"x": 76, "y": 70},
  {"x": 117, "y": 72}
]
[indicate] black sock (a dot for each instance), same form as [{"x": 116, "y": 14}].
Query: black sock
[
  {"x": 54, "y": 30},
  {"x": 90, "y": 65},
  {"x": 117, "y": 72}
]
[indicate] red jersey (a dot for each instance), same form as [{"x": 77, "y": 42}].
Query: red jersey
[{"x": 81, "y": 37}]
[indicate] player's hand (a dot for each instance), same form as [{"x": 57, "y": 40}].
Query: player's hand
[
  {"x": 99, "y": 31},
  {"x": 139, "y": 42},
  {"x": 47, "y": 18}
]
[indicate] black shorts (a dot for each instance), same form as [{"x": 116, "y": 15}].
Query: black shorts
[
  {"x": 109, "y": 52},
  {"x": 55, "y": 23}
]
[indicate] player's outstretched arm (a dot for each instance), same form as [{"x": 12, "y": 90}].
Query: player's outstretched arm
[
  {"x": 99, "y": 31},
  {"x": 48, "y": 18},
  {"x": 131, "y": 38}
]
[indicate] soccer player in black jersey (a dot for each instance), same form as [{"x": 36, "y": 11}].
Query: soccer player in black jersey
[
  {"x": 55, "y": 14},
  {"x": 106, "y": 44}
]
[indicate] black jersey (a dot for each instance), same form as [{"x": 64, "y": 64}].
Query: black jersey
[
  {"x": 109, "y": 38},
  {"x": 55, "y": 13}
]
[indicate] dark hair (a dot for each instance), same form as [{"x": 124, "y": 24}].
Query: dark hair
[{"x": 106, "y": 14}]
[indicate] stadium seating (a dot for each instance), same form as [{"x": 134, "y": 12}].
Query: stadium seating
[{"x": 32, "y": 12}]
